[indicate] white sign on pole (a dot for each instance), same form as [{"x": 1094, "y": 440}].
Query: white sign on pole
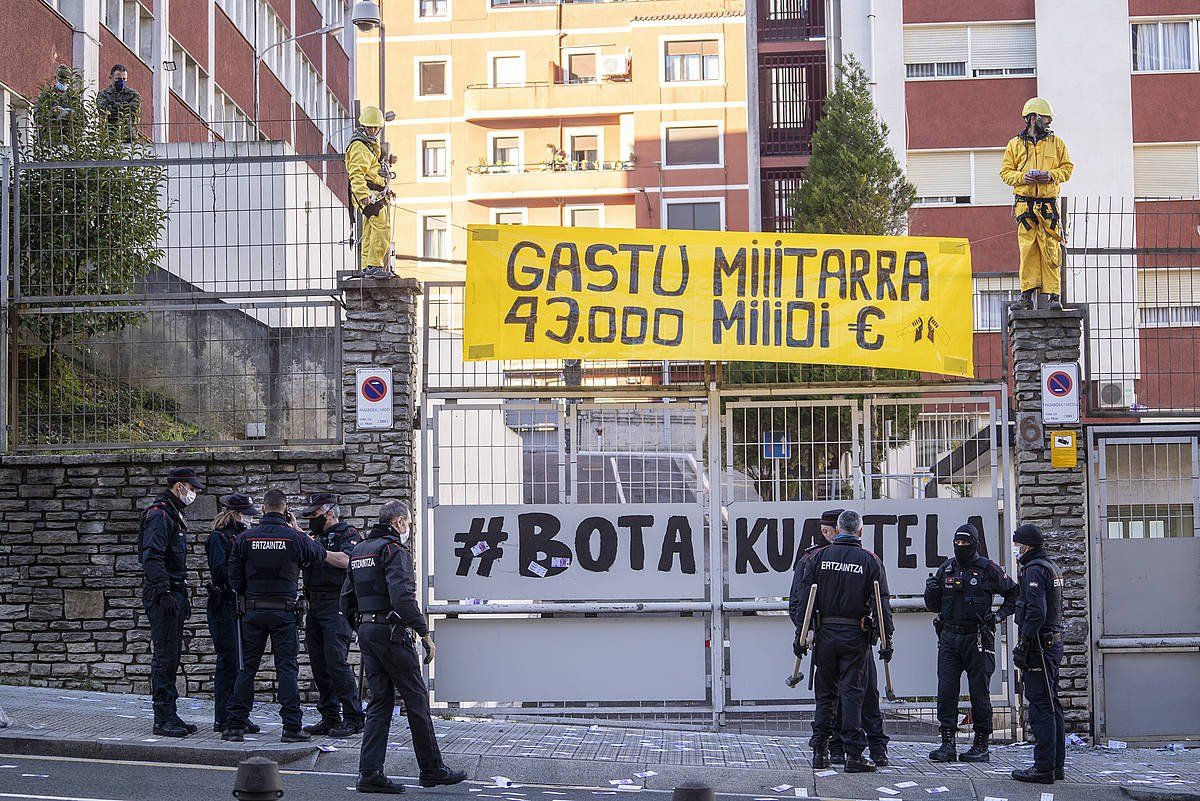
[
  {"x": 373, "y": 399},
  {"x": 1060, "y": 392}
]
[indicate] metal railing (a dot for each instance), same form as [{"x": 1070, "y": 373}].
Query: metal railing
[
  {"x": 794, "y": 20},
  {"x": 507, "y": 168},
  {"x": 791, "y": 100},
  {"x": 170, "y": 294}
]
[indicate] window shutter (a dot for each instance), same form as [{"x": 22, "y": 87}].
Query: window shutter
[
  {"x": 701, "y": 47},
  {"x": 1166, "y": 171},
  {"x": 925, "y": 45},
  {"x": 1179, "y": 287},
  {"x": 582, "y": 65},
  {"x": 989, "y": 189},
  {"x": 995, "y": 47},
  {"x": 585, "y": 218},
  {"x": 940, "y": 174},
  {"x": 433, "y": 78},
  {"x": 585, "y": 142},
  {"x": 700, "y": 145}
]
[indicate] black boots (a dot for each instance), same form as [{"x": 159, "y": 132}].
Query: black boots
[
  {"x": 837, "y": 754},
  {"x": 946, "y": 751},
  {"x": 1054, "y": 303},
  {"x": 1025, "y": 302},
  {"x": 324, "y": 727},
  {"x": 1033, "y": 775},
  {"x": 294, "y": 736},
  {"x": 347, "y": 729},
  {"x": 442, "y": 778},
  {"x": 879, "y": 757},
  {"x": 979, "y": 749},
  {"x": 170, "y": 729},
  {"x": 821, "y": 758},
  {"x": 859, "y": 764},
  {"x": 378, "y": 783}
]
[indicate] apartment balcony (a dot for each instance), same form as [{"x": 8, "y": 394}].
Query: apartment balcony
[
  {"x": 570, "y": 179},
  {"x": 531, "y": 100}
]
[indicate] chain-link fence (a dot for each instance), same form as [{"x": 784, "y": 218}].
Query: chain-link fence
[{"x": 173, "y": 293}]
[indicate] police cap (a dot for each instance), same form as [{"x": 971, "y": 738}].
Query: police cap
[{"x": 316, "y": 501}]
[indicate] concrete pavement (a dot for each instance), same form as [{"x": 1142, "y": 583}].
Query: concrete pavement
[{"x": 117, "y": 727}]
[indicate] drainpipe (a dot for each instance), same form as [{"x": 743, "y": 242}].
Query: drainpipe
[
  {"x": 871, "y": 47},
  {"x": 833, "y": 42}
]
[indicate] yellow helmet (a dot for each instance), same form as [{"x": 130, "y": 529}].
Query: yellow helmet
[
  {"x": 1037, "y": 105},
  {"x": 371, "y": 117}
]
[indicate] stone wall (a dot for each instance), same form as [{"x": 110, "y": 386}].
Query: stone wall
[
  {"x": 1055, "y": 498},
  {"x": 70, "y": 582}
]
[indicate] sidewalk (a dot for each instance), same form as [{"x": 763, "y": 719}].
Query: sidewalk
[{"x": 117, "y": 727}]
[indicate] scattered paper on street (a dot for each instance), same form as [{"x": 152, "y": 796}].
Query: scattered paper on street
[
  {"x": 502, "y": 781},
  {"x": 781, "y": 788},
  {"x": 1118, "y": 745},
  {"x": 887, "y": 791},
  {"x": 1047, "y": 796},
  {"x": 326, "y": 749},
  {"x": 824, "y": 773},
  {"x": 645, "y": 774},
  {"x": 905, "y": 785},
  {"x": 938, "y": 790}
]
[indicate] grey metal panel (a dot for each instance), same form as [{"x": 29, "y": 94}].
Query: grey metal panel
[
  {"x": 1150, "y": 586},
  {"x": 761, "y": 658},
  {"x": 571, "y": 659},
  {"x": 1149, "y": 694}
]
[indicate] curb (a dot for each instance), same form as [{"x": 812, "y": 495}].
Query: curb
[
  {"x": 148, "y": 752},
  {"x": 1156, "y": 794}
]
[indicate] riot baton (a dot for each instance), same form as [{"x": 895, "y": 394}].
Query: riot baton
[
  {"x": 241, "y": 610},
  {"x": 794, "y": 679},
  {"x": 883, "y": 640}
]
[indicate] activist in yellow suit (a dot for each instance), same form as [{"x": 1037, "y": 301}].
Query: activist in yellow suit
[
  {"x": 368, "y": 173},
  {"x": 1036, "y": 164}
]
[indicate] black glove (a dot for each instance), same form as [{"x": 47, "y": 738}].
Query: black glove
[
  {"x": 989, "y": 620},
  {"x": 798, "y": 647},
  {"x": 886, "y": 653},
  {"x": 168, "y": 604},
  {"x": 1025, "y": 655},
  {"x": 932, "y": 583}
]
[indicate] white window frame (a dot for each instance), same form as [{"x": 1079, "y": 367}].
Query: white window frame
[
  {"x": 524, "y": 211},
  {"x": 567, "y": 210},
  {"x": 677, "y": 201},
  {"x": 424, "y": 215},
  {"x": 662, "y": 138},
  {"x": 492, "y": 55},
  {"x": 690, "y": 37},
  {"x": 491, "y": 150},
  {"x": 968, "y": 69},
  {"x": 974, "y": 196},
  {"x": 443, "y": 18},
  {"x": 421, "y": 140},
  {"x": 992, "y": 284},
  {"x": 568, "y": 133},
  {"x": 137, "y": 35},
  {"x": 565, "y": 58},
  {"x": 1193, "y": 37},
  {"x": 449, "y": 85}
]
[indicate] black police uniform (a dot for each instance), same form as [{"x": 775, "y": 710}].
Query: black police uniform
[
  {"x": 264, "y": 569},
  {"x": 1039, "y": 656},
  {"x": 162, "y": 550},
  {"x": 381, "y": 594},
  {"x": 222, "y": 617},
  {"x": 844, "y": 574},
  {"x": 327, "y": 632},
  {"x": 961, "y": 594}
]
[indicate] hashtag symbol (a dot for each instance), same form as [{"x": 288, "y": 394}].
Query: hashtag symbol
[{"x": 472, "y": 545}]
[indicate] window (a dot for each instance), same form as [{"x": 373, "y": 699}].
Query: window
[
  {"x": 432, "y": 79},
  {"x": 333, "y": 11},
  {"x": 694, "y": 215},
  {"x": 690, "y": 146},
  {"x": 506, "y": 153},
  {"x": 189, "y": 82},
  {"x": 433, "y": 9},
  {"x": 230, "y": 122},
  {"x": 10, "y": 107},
  {"x": 585, "y": 151},
  {"x": 581, "y": 67},
  {"x": 941, "y": 178},
  {"x": 130, "y": 22},
  {"x": 1149, "y": 490},
  {"x": 585, "y": 217},
  {"x": 992, "y": 296},
  {"x": 1166, "y": 171},
  {"x": 698, "y": 60},
  {"x": 1164, "y": 46},
  {"x": 1168, "y": 297},
  {"x": 508, "y": 70},
  {"x": 508, "y": 216},
  {"x": 976, "y": 51},
  {"x": 1169, "y": 317},
  {"x": 435, "y": 236},
  {"x": 433, "y": 158}
]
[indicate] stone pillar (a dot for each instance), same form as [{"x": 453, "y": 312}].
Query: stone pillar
[
  {"x": 380, "y": 330},
  {"x": 1055, "y": 498}
]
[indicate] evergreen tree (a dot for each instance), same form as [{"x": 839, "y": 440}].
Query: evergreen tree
[{"x": 853, "y": 184}]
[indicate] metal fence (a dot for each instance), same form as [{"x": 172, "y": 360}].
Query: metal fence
[{"x": 174, "y": 293}]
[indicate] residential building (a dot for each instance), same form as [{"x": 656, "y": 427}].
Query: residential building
[{"x": 193, "y": 63}]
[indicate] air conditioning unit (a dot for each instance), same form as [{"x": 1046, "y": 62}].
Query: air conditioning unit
[
  {"x": 1116, "y": 395},
  {"x": 614, "y": 65}
]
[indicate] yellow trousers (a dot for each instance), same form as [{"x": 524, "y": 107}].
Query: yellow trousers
[
  {"x": 1039, "y": 235},
  {"x": 376, "y": 239}
]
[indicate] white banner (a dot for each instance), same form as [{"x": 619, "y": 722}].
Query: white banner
[
  {"x": 552, "y": 552},
  {"x": 912, "y": 536}
]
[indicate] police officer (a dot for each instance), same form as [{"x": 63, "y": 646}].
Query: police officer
[
  {"x": 119, "y": 104},
  {"x": 327, "y": 632},
  {"x": 264, "y": 570},
  {"x": 162, "y": 551},
  {"x": 1038, "y": 654},
  {"x": 222, "y": 603},
  {"x": 961, "y": 592},
  {"x": 844, "y": 574},
  {"x": 380, "y": 595}
]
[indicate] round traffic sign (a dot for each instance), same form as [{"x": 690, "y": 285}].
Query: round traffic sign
[
  {"x": 1059, "y": 383},
  {"x": 374, "y": 389}
]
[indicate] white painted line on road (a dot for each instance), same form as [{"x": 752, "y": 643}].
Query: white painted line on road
[{"x": 56, "y": 797}]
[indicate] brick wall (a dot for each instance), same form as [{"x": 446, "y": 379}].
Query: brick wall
[{"x": 70, "y": 582}]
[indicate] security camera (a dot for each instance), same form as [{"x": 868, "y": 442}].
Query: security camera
[{"x": 365, "y": 15}]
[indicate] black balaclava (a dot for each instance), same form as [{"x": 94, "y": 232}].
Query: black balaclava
[{"x": 965, "y": 555}]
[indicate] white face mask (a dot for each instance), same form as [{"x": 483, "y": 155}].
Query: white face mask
[
  {"x": 188, "y": 496},
  {"x": 405, "y": 534}
]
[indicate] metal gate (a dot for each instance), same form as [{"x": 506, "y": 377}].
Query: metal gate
[
  {"x": 1145, "y": 532},
  {"x": 628, "y": 549}
]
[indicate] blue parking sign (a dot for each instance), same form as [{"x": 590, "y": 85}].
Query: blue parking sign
[{"x": 775, "y": 445}]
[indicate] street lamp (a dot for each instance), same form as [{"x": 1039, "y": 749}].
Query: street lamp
[{"x": 365, "y": 16}]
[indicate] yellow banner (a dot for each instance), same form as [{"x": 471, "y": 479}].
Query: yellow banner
[{"x": 538, "y": 292}]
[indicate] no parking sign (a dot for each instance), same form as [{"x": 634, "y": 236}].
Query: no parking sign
[
  {"x": 373, "y": 405},
  {"x": 1060, "y": 392}
]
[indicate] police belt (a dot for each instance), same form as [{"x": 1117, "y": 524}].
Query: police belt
[
  {"x": 322, "y": 595},
  {"x": 271, "y": 604},
  {"x": 1049, "y": 639},
  {"x": 850, "y": 621},
  {"x": 378, "y": 617},
  {"x": 962, "y": 628}
]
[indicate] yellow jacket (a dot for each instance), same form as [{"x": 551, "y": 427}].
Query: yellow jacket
[
  {"x": 1023, "y": 155},
  {"x": 362, "y": 168}
]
